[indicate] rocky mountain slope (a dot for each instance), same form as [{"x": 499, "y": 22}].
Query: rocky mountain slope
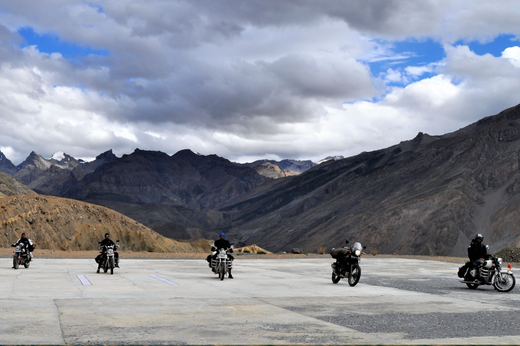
[
  {"x": 53, "y": 176},
  {"x": 426, "y": 196},
  {"x": 64, "y": 224},
  {"x": 6, "y": 166},
  {"x": 176, "y": 195},
  {"x": 10, "y": 186}
]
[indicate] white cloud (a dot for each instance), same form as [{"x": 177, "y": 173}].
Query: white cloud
[
  {"x": 417, "y": 71},
  {"x": 247, "y": 79},
  {"x": 513, "y": 55}
]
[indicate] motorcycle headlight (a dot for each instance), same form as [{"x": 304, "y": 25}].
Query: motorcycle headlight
[
  {"x": 499, "y": 260},
  {"x": 358, "y": 252}
]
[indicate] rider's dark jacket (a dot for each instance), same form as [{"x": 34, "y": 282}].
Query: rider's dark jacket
[
  {"x": 477, "y": 250},
  {"x": 106, "y": 242},
  {"x": 222, "y": 244},
  {"x": 28, "y": 243}
]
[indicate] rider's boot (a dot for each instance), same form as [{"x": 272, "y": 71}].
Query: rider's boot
[
  {"x": 230, "y": 276},
  {"x": 477, "y": 275}
]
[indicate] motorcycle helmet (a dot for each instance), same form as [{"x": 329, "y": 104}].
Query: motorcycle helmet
[
  {"x": 222, "y": 234},
  {"x": 479, "y": 236}
]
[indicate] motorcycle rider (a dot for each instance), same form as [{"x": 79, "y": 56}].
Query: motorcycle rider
[
  {"x": 223, "y": 243},
  {"x": 106, "y": 242},
  {"x": 27, "y": 242},
  {"x": 478, "y": 253}
]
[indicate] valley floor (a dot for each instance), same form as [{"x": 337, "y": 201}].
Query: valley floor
[{"x": 270, "y": 301}]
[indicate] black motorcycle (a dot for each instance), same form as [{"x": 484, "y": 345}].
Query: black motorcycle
[
  {"x": 347, "y": 263},
  {"x": 489, "y": 273},
  {"x": 106, "y": 259},
  {"x": 21, "y": 256},
  {"x": 221, "y": 261}
]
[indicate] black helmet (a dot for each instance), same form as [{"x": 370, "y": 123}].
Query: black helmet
[{"x": 479, "y": 236}]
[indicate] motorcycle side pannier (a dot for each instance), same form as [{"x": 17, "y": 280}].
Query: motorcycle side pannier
[
  {"x": 462, "y": 270},
  {"x": 338, "y": 253}
]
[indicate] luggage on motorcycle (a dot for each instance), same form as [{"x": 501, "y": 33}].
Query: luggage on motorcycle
[
  {"x": 338, "y": 253},
  {"x": 462, "y": 270}
]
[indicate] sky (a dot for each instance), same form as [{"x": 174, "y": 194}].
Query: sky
[{"x": 248, "y": 80}]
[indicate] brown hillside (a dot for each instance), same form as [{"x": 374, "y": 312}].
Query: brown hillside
[
  {"x": 64, "y": 224},
  {"x": 252, "y": 249}
]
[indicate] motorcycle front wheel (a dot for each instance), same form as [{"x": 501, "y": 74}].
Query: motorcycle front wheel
[
  {"x": 112, "y": 266},
  {"x": 504, "y": 282},
  {"x": 354, "y": 275},
  {"x": 335, "y": 278},
  {"x": 26, "y": 264},
  {"x": 222, "y": 271},
  {"x": 16, "y": 264}
]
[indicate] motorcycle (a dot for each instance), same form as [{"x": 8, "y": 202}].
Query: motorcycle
[
  {"x": 491, "y": 273},
  {"x": 347, "y": 263},
  {"x": 221, "y": 264},
  {"x": 106, "y": 259},
  {"x": 21, "y": 256}
]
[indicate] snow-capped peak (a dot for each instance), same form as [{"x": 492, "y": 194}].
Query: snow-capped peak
[
  {"x": 331, "y": 158},
  {"x": 58, "y": 156}
]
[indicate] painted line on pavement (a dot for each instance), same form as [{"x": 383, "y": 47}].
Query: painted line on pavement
[
  {"x": 164, "y": 280},
  {"x": 84, "y": 280}
]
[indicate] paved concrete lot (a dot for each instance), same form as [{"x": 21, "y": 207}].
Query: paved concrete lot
[{"x": 270, "y": 301}]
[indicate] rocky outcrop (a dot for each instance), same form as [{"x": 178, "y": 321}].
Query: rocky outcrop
[
  {"x": 280, "y": 169},
  {"x": 268, "y": 169}
]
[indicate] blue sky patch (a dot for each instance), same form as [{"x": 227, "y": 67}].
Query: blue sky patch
[
  {"x": 51, "y": 43},
  {"x": 495, "y": 47},
  {"x": 400, "y": 55}
]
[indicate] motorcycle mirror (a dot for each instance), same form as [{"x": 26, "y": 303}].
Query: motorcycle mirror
[
  {"x": 364, "y": 247},
  {"x": 346, "y": 241},
  {"x": 117, "y": 241}
]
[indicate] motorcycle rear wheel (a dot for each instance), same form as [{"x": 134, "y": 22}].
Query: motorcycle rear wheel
[
  {"x": 506, "y": 284},
  {"x": 354, "y": 275},
  {"x": 335, "y": 278}
]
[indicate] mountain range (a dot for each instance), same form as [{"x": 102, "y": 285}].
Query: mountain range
[
  {"x": 425, "y": 196},
  {"x": 177, "y": 195}
]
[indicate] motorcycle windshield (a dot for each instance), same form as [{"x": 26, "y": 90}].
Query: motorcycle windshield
[{"x": 357, "y": 246}]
